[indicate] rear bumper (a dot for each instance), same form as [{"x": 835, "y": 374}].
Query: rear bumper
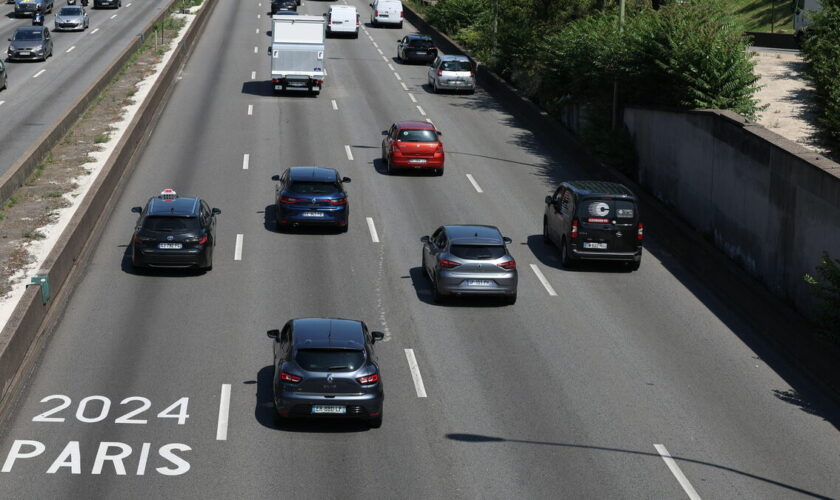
[
  {"x": 449, "y": 85},
  {"x": 297, "y": 85},
  {"x": 635, "y": 256},
  {"x": 151, "y": 257},
  {"x": 330, "y": 217},
  {"x": 357, "y": 406},
  {"x": 403, "y": 162},
  {"x": 418, "y": 57},
  {"x": 388, "y": 20},
  {"x": 454, "y": 283}
]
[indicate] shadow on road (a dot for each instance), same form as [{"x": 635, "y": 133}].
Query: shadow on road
[{"x": 549, "y": 256}]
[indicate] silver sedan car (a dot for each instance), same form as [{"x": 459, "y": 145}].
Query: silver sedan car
[
  {"x": 469, "y": 260},
  {"x": 450, "y": 72},
  {"x": 71, "y": 17}
]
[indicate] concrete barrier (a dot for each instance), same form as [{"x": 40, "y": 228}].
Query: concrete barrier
[
  {"x": 774, "y": 40},
  {"x": 32, "y": 316}
]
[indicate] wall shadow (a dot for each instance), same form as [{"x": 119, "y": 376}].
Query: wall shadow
[
  {"x": 128, "y": 268},
  {"x": 549, "y": 256}
]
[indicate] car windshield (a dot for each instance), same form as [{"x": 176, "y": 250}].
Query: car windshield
[
  {"x": 605, "y": 210},
  {"x": 478, "y": 252},
  {"x": 168, "y": 223},
  {"x": 330, "y": 360},
  {"x": 310, "y": 187},
  {"x": 28, "y": 35},
  {"x": 417, "y": 136},
  {"x": 70, "y": 11},
  {"x": 455, "y": 66}
]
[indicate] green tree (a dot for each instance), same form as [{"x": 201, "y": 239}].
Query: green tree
[
  {"x": 826, "y": 287},
  {"x": 821, "y": 49}
]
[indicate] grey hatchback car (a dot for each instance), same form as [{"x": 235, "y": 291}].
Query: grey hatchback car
[
  {"x": 30, "y": 42},
  {"x": 326, "y": 367},
  {"x": 469, "y": 260},
  {"x": 450, "y": 72}
]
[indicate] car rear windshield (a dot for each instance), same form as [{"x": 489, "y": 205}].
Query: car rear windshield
[
  {"x": 168, "y": 223},
  {"x": 330, "y": 360},
  {"x": 417, "y": 136},
  {"x": 28, "y": 35},
  {"x": 478, "y": 252},
  {"x": 605, "y": 210},
  {"x": 455, "y": 66},
  {"x": 311, "y": 187},
  {"x": 70, "y": 11},
  {"x": 420, "y": 43}
]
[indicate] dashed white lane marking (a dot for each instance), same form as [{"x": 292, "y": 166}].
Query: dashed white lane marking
[
  {"x": 430, "y": 121},
  {"x": 253, "y": 75},
  {"x": 376, "y": 45},
  {"x": 334, "y": 104},
  {"x": 404, "y": 86},
  {"x": 390, "y": 67},
  {"x": 349, "y": 153},
  {"x": 36, "y": 75},
  {"x": 1, "y": 102},
  {"x": 258, "y": 16},
  {"x": 112, "y": 16},
  {"x": 258, "y": 31},
  {"x": 250, "y": 109},
  {"x": 397, "y": 75},
  {"x": 380, "y": 52},
  {"x": 415, "y": 373},
  {"x": 384, "y": 58},
  {"x": 474, "y": 184},
  {"x": 71, "y": 49},
  {"x": 675, "y": 470},
  {"x": 545, "y": 283},
  {"x": 413, "y": 99},
  {"x": 372, "y": 228},
  {"x": 224, "y": 413},
  {"x": 256, "y": 49},
  {"x": 94, "y": 31},
  {"x": 128, "y": 4},
  {"x": 246, "y": 160},
  {"x": 237, "y": 251},
  {"x": 421, "y": 110}
]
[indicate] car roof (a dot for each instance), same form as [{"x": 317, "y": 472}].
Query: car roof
[
  {"x": 313, "y": 174},
  {"x": 415, "y": 125},
  {"x": 30, "y": 28},
  {"x": 600, "y": 188},
  {"x": 342, "y": 7},
  {"x": 333, "y": 333},
  {"x": 419, "y": 36},
  {"x": 474, "y": 234},
  {"x": 454, "y": 57},
  {"x": 179, "y": 207}
]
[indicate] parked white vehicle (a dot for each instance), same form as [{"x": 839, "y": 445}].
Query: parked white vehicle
[
  {"x": 386, "y": 12},
  {"x": 343, "y": 19},
  {"x": 297, "y": 53}
]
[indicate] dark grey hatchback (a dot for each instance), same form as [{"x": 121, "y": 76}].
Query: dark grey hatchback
[{"x": 326, "y": 367}]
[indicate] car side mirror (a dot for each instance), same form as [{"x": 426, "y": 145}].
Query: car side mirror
[
  {"x": 548, "y": 200},
  {"x": 424, "y": 239},
  {"x": 377, "y": 336},
  {"x": 10, "y": 39},
  {"x": 345, "y": 179},
  {"x": 273, "y": 334},
  {"x": 268, "y": 51},
  {"x": 384, "y": 132},
  {"x": 275, "y": 177},
  {"x": 507, "y": 240},
  {"x": 137, "y": 210},
  {"x": 439, "y": 132},
  {"x": 216, "y": 211}
]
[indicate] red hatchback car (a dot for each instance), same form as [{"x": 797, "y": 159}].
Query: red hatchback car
[{"x": 414, "y": 145}]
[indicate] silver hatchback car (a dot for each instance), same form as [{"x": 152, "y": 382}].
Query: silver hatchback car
[
  {"x": 469, "y": 260},
  {"x": 450, "y": 72}
]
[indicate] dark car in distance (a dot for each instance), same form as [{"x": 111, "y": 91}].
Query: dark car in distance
[
  {"x": 416, "y": 47},
  {"x": 174, "y": 232},
  {"x": 279, "y": 5},
  {"x": 594, "y": 220},
  {"x": 3, "y": 76},
  {"x": 326, "y": 367},
  {"x": 30, "y": 43},
  {"x": 311, "y": 196},
  {"x": 112, "y": 4}
]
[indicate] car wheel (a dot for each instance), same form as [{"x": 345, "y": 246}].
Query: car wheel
[
  {"x": 634, "y": 266},
  {"x": 566, "y": 259},
  {"x": 401, "y": 23},
  {"x": 375, "y": 422},
  {"x": 510, "y": 299},
  {"x": 438, "y": 172},
  {"x": 434, "y": 87},
  {"x": 471, "y": 92},
  {"x": 437, "y": 297},
  {"x": 546, "y": 238}
]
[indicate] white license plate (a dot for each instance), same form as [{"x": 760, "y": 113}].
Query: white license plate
[
  {"x": 331, "y": 410},
  {"x": 297, "y": 84},
  {"x": 479, "y": 282},
  {"x": 337, "y": 22},
  {"x": 278, "y": 87},
  {"x": 595, "y": 246},
  {"x": 24, "y": 53},
  {"x": 417, "y": 160},
  {"x": 421, "y": 52},
  {"x": 170, "y": 246},
  {"x": 383, "y": 15},
  {"x": 313, "y": 214}
]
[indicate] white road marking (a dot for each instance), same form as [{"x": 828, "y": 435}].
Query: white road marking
[
  {"x": 349, "y": 153},
  {"x": 390, "y": 67},
  {"x": 237, "y": 251},
  {"x": 376, "y": 45},
  {"x": 415, "y": 373},
  {"x": 256, "y": 49},
  {"x": 112, "y": 16},
  {"x": 128, "y": 4},
  {"x": 675, "y": 470},
  {"x": 224, "y": 412},
  {"x": 380, "y": 52},
  {"x": 36, "y": 75},
  {"x": 474, "y": 184},
  {"x": 413, "y": 99},
  {"x": 430, "y": 121},
  {"x": 372, "y": 228},
  {"x": 334, "y": 104},
  {"x": 246, "y": 160},
  {"x": 253, "y": 75},
  {"x": 258, "y": 16},
  {"x": 250, "y": 109},
  {"x": 94, "y": 31},
  {"x": 258, "y": 31},
  {"x": 384, "y": 58},
  {"x": 1, "y": 102},
  {"x": 545, "y": 283},
  {"x": 397, "y": 75},
  {"x": 404, "y": 86},
  {"x": 421, "y": 110},
  {"x": 71, "y": 49}
]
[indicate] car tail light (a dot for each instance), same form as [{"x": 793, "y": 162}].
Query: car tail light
[
  {"x": 472, "y": 74},
  {"x": 640, "y": 232},
  {"x": 574, "y": 229},
  {"x": 448, "y": 264},
  {"x": 138, "y": 239},
  {"x": 357, "y": 20},
  {"x": 439, "y": 148},
  {"x": 402, "y": 14},
  {"x": 509, "y": 265},
  {"x": 289, "y": 199},
  {"x": 288, "y": 377},
  {"x": 395, "y": 148},
  {"x": 338, "y": 201},
  {"x": 598, "y": 220},
  {"x": 376, "y": 13},
  {"x": 203, "y": 240},
  {"x": 275, "y": 81},
  {"x": 440, "y": 72},
  {"x": 370, "y": 379}
]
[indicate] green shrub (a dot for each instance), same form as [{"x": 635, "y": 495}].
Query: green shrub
[
  {"x": 827, "y": 291},
  {"x": 821, "y": 49}
]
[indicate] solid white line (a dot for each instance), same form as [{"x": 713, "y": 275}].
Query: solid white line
[
  {"x": 334, "y": 104},
  {"x": 94, "y": 31},
  {"x": 253, "y": 75},
  {"x": 421, "y": 110},
  {"x": 474, "y": 184},
  {"x": 675, "y": 470},
  {"x": 373, "y": 235},
  {"x": 390, "y": 67},
  {"x": 112, "y": 16},
  {"x": 237, "y": 252},
  {"x": 398, "y": 76},
  {"x": 70, "y": 49},
  {"x": 545, "y": 283},
  {"x": 415, "y": 373},
  {"x": 224, "y": 411},
  {"x": 349, "y": 153},
  {"x": 250, "y": 109},
  {"x": 413, "y": 99},
  {"x": 256, "y": 49},
  {"x": 404, "y": 86},
  {"x": 36, "y": 75},
  {"x": 246, "y": 160}
]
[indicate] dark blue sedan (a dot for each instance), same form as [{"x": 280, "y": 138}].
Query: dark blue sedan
[{"x": 311, "y": 196}]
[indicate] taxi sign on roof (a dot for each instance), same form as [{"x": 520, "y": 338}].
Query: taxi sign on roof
[{"x": 168, "y": 194}]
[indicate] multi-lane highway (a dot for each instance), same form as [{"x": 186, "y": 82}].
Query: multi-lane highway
[
  {"x": 598, "y": 383},
  {"x": 39, "y": 92}
]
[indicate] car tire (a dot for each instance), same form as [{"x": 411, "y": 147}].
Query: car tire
[
  {"x": 546, "y": 237},
  {"x": 437, "y": 297},
  {"x": 434, "y": 87},
  {"x": 510, "y": 299},
  {"x": 438, "y": 172},
  {"x": 375, "y": 422},
  {"x": 471, "y": 92},
  {"x": 401, "y": 23},
  {"x": 566, "y": 259},
  {"x": 634, "y": 266}
]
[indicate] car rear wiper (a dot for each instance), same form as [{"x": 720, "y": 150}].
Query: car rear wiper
[{"x": 340, "y": 368}]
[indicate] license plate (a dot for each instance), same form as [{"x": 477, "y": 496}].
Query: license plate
[
  {"x": 383, "y": 15},
  {"x": 337, "y": 22},
  {"x": 297, "y": 84},
  {"x": 24, "y": 53},
  {"x": 313, "y": 214},
  {"x": 596, "y": 246},
  {"x": 170, "y": 246},
  {"x": 417, "y": 160},
  {"x": 331, "y": 410},
  {"x": 479, "y": 282},
  {"x": 421, "y": 52},
  {"x": 278, "y": 87}
]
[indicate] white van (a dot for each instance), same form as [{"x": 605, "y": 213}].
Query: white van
[
  {"x": 343, "y": 19},
  {"x": 386, "y": 12}
]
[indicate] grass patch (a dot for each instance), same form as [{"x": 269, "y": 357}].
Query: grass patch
[
  {"x": 764, "y": 15},
  {"x": 101, "y": 138},
  {"x": 33, "y": 235}
]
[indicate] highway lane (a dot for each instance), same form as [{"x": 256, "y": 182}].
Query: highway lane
[
  {"x": 34, "y": 100},
  {"x": 556, "y": 396}
]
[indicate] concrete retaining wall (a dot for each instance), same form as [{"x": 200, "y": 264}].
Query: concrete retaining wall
[{"x": 768, "y": 203}]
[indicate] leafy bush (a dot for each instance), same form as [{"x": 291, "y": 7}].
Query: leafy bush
[
  {"x": 821, "y": 49},
  {"x": 827, "y": 290}
]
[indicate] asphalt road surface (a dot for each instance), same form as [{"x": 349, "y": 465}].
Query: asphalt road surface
[
  {"x": 598, "y": 383},
  {"x": 39, "y": 93}
]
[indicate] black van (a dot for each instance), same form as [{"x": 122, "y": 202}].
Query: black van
[{"x": 594, "y": 220}]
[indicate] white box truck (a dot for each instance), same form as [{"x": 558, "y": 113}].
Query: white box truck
[{"x": 297, "y": 54}]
